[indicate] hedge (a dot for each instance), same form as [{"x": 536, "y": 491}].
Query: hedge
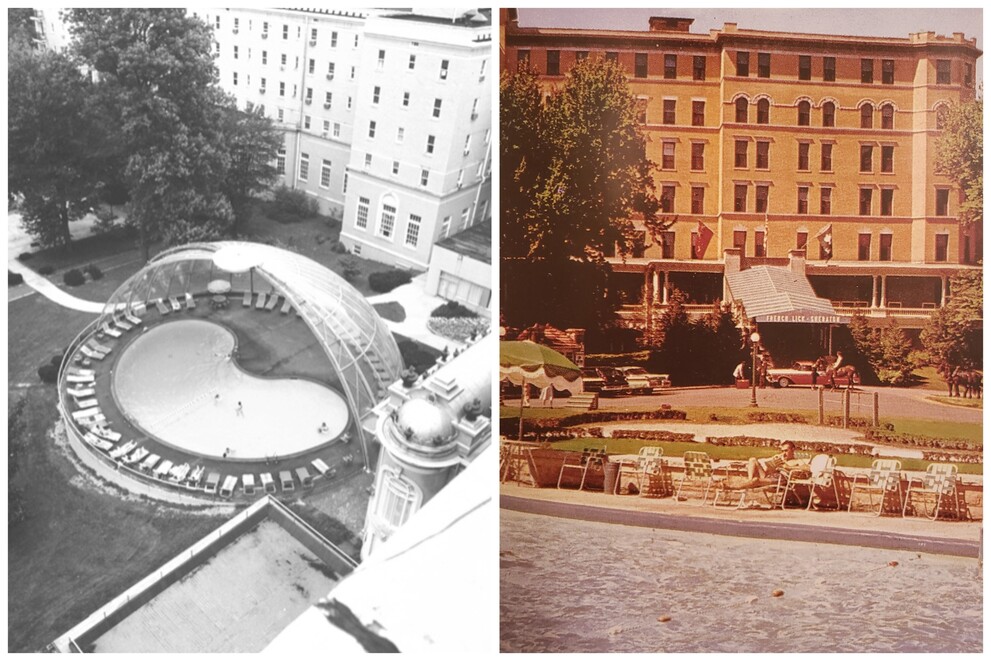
[
  {"x": 48, "y": 373},
  {"x": 94, "y": 271},
  {"x": 14, "y": 279},
  {"x": 453, "y": 309},
  {"x": 73, "y": 277},
  {"x": 386, "y": 281},
  {"x": 47, "y": 269}
]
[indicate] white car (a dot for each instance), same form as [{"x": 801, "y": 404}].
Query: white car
[{"x": 642, "y": 382}]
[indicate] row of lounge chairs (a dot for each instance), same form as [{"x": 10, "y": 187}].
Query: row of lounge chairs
[
  {"x": 266, "y": 301},
  {"x": 286, "y": 482},
  {"x": 172, "y": 303}
]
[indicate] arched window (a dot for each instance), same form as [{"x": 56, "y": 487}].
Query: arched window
[
  {"x": 742, "y": 104},
  {"x": 867, "y": 116},
  {"x": 387, "y": 216},
  {"x": 887, "y": 116},
  {"x": 829, "y": 114},
  {"x": 763, "y": 111},
  {"x": 804, "y": 113}
]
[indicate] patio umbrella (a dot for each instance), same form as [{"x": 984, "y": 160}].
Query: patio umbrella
[
  {"x": 525, "y": 362},
  {"x": 218, "y": 287},
  {"x": 238, "y": 258}
]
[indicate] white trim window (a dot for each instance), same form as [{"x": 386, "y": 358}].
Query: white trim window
[
  {"x": 304, "y": 167},
  {"x": 361, "y": 217},
  {"x": 387, "y": 221},
  {"x": 413, "y": 230},
  {"x": 280, "y": 161},
  {"x": 325, "y": 174}
]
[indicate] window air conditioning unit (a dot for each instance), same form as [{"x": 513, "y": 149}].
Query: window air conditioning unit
[
  {"x": 234, "y": 30},
  {"x": 261, "y": 90},
  {"x": 326, "y": 106},
  {"x": 309, "y": 101},
  {"x": 330, "y": 76},
  {"x": 264, "y": 35},
  {"x": 313, "y": 42}
]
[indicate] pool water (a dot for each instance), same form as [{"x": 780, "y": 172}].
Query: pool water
[
  {"x": 578, "y": 586},
  {"x": 179, "y": 382}
]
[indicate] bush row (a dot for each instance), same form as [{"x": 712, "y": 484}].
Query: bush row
[
  {"x": 770, "y": 416},
  {"x": 14, "y": 278},
  {"x": 954, "y": 457},
  {"x": 453, "y": 309},
  {"x": 653, "y": 435},
  {"x": 458, "y": 328},
  {"x": 386, "y": 281},
  {"x": 912, "y": 440}
]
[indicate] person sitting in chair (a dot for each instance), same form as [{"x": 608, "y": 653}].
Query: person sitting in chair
[{"x": 763, "y": 469}]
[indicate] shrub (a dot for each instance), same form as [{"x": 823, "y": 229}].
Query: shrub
[
  {"x": 339, "y": 248},
  {"x": 294, "y": 203},
  {"x": 14, "y": 278},
  {"x": 73, "y": 277},
  {"x": 25, "y": 256},
  {"x": 457, "y": 328},
  {"x": 56, "y": 360},
  {"x": 452, "y": 309},
  {"x": 386, "y": 281},
  {"x": 94, "y": 271},
  {"x": 350, "y": 268},
  {"x": 47, "y": 269},
  {"x": 48, "y": 373}
]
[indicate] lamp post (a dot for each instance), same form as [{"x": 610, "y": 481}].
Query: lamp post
[{"x": 754, "y": 341}]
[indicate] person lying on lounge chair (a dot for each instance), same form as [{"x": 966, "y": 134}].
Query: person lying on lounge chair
[{"x": 761, "y": 470}]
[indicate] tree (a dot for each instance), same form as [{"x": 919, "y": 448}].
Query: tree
[
  {"x": 51, "y": 141},
  {"x": 952, "y": 336},
  {"x": 960, "y": 155},
  {"x": 885, "y": 349},
  {"x": 252, "y": 142}
]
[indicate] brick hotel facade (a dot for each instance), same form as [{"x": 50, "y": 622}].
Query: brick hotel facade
[{"x": 787, "y": 147}]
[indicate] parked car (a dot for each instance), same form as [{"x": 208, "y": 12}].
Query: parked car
[
  {"x": 800, "y": 374},
  {"x": 642, "y": 382},
  {"x": 607, "y": 381}
]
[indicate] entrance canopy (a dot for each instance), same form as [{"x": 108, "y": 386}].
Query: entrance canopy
[{"x": 779, "y": 295}]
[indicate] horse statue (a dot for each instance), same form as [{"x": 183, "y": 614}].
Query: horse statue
[{"x": 971, "y": 380}]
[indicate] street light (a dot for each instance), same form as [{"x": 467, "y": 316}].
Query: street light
[{"x": 754, "y": 341}]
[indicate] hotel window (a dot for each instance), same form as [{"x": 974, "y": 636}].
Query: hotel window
[
  {"x": 942, "y": 72},
  {"x": 328, "y": 99},
  {"x": 581, "y": 56},
  {"x": 667, "y": 199},
  {"x": 337, "y": 129},
  {"x": 670, "y": 66},
  {"x": 742, "y": 63},
  {"x": 698, "y": 67},
  {"x": 763, "y": 65},
  {"x": 281, "y": 114},
  {"x": 825, "y": 201},
  {"x": 395, "y": 167},
  {"x": 887, "y": 159},
  {"x": 424, "y": 177},
  {"x": 522, "y": 58},
  {"x": 368, "y": 160},
  {"x": 285, "y": 32},
  {"x": 803, "y": 199},
  {"x": 740, "y": 197},
  {"x": 264, "y": 57},
  {"x": 235, "y": 79},
  {"x": 829, "y": 114},
  {"x": 333, "y": 40},
  {"x": 309, "y": 95},
  {"x": 942, "y": 244},
  {"x": 640, "y": 65},
  {"x": 760, "y": 198},
  {"x": 344, "y": 184},
  {"x": 437, "y": 105},
  {"x": 740, "y": 154},
  {"x": 763, "y": 111},
  {"x": 826, "y": 157},
  {"x": 801, "y": 240},
  {"x": 867, "y": 116},
  {"x": 864, "y": 247},
  {"x": 667, "y": 245},
  {"x": 829, "y": 69},
  {"x": 942, "y": 201},
  {"x": 464, "y": 218},
  {"x": 312, "y": 66},
  {"x": 803, "y": 156},
  {"x": 968, "y": 74},
  {"x": 282, "y": 89},
  {"x": 371, "y": 129},
  {"x": 381, "y": 60},
  {"x": 306, "y": 121},
  {"x": 698, "y": 199},
  {"x": 612, "y": 56},
  {"x": 888, "y": 72},
  {"x": 325, "y": 174},
  {"x": 388, "y": 220},
  {"x": 805, "y": 67},
  {"x": 865, "y": 201},
  {"x": 235, "y": 52},
  {"x": 553, "y": 63},
  {"x": 376, "y": 94},
  {"x": 887, "y": 201},
  {"x": 887, "y": 116},
  {"x": 304, "y": 167},
  {"x": 698, "y": 155},
  {"x": 742, "y": 106},
  {"x": 740, "y": 240},
  {"x": 763, "y": 155},
  {"x": 430, "y": 144},
  {"x": 669, "y": 107},
  {"x": 866, "y": 158},
  {"x": 867, "y": 71},
  {"x": 884, "y": 247},
  {"x": 444, "y": 64},
  {"x": 326, "y": 127},
  {"x": 804, "y": 113},
  {"x": 698, "y": 113},
  {"x": 280, "y": 161},
  {"x": 413, "y": 230},
  {"x": 445, "y": 227},
  {"x": 667, "y": 155},
  {"x": 331, "y": 68},
  {"x": 313, "y": 34},
  {"x": 760, "y": 250}
]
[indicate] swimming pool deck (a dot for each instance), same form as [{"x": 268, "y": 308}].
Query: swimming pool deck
[{"x": 849, "y": 528}]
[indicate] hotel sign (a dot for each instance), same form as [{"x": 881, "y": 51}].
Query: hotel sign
[{"x": 803, "y": 318}]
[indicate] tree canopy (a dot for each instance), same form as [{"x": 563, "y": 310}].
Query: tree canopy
[
  {"x": 952, "y": 336},
  {"x": 960, "y": 155}
]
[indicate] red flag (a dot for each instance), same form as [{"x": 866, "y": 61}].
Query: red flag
[
  {"x": 825, "y": 236},
  {"x": 702, "y": 237}
]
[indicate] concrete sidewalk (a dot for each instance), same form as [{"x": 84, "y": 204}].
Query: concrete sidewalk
[
  {"x": 841, "y": 527},
  {"x": 418, "y": 305}
]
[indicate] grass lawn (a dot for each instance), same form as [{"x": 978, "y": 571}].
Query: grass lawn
[
  {"x": 971, "y": 403},
  {"x": 78, "y": 547},
  {"x": 971, "y": 431},
  {"x": 37, "y": 329}
]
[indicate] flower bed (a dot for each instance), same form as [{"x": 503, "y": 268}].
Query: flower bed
[{"x": 459, "y": 329}]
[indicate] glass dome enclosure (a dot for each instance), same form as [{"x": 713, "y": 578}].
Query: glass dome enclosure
[{"x": 357, "y": 342}]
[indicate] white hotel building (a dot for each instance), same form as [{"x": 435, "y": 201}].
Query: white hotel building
[{"x": 386, "y": 113}]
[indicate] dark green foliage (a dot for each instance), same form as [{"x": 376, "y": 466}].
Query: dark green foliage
[
  {"x": 46, "y": 269},
  {"x": 56, "y": 360},
  {"x": 73, "y": 278},
  {"x": 25, "y": 256},
  {"x": 885, "y": 350},
  {"x": 48, "y": 373},
  {"x": 293, "y": 204},
  {"x": 452, "y": 309},
  {"x": 350, "y": 268},
  {"x": 93, "y": 271},
  {"x": 952, "y": 336},
  {"x": 960, "y": 155},
  {"x": 339, "y": 248},
  {"x": 562, "y": 293},
  {"x": 416, "y": 355},
  {"x": 386, "y": 281},
  {"x": 14, "y": 278},
  {"x": 16, "y": 430}
]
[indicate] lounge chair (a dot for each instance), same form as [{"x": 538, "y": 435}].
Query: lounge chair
[
  {"x": 304, "y": 477},
  {"x": 273, "y": 300},
  {"x": 150, "y": 462},
  {"x": 131, "y": 318},
  {"x": 940, "y": 481},
  {"x": 261, "y": 301},
  {"x": 179, "y": 473},
  {"x": 79, "y": 371},
  {"x": 248, "y": 484},
  {"x": 80, "y": 378},
  {"x": 98, "y": 443},
  {"x": 121, "y": 324},
  {"x": 194, "y": 478},
  {"x": 85, "y": 413},
  {"x": 230, "y": 484},
  {"x": 268, "y": 484},
  {"x": 176, "y": 305},
  {"x": 322, "y": 468},
  {"x": 138, "y": 308},
  {"x": 884, "y": 478},
  {"x": 286, "y": 307},
  {"x": 136, "y": 456},
  {"x": 87, "y": 403},
  {"x": 286, "y": 482},
  {"x": 590, "y": 457},
  {"x": 163, "y": 469},
  {"x": 112, "y": 332},
  {"x": 121, "y": 450},
  {"x": 89, "y": 353},
  {"x": 698, "y": 470},
  {"x": 212, "y": 482},
  {"x": 162, "y": 307},
  {"x": 819, "y": 476},
  {"x": 95, "y": 421},
  {"x": 96, "y": 346},
  {"x": 107, "y": 433},
  {"x": 81, "y": 392},
  {"x": 246, "y": 300},
  {"x": 190, "y": 301}
]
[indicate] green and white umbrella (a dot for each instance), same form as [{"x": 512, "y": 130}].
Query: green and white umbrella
[{"x": 524, "y": 362}]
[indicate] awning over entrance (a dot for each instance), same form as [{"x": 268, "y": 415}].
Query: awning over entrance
[{"x": 780, "y": 295}]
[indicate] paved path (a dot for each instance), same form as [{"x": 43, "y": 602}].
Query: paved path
[{"x": 418, "y": 305}]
